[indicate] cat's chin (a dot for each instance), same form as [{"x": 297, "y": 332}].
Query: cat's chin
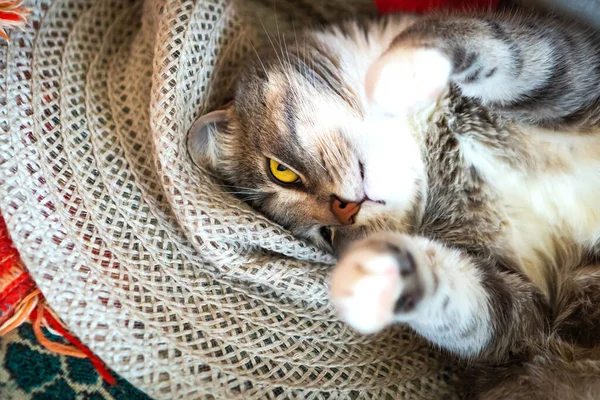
[
  {"x": 376, "y": 220},
  {"x": 343, "y": 237}
]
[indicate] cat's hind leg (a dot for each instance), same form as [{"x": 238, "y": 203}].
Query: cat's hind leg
[
  {"x": 565, "y": 364},
  {"x": 578, "y": 308}
]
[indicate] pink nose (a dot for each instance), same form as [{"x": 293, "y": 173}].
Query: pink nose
[{"x": 344, "y": 212}]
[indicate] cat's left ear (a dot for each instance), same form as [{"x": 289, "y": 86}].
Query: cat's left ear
[{"x": 203, "y": 136}]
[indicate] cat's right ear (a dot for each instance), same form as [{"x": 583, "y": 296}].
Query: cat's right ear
[{"x": 203, "y": 136}]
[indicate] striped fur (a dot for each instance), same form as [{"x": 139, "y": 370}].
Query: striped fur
[{"x": 472, "y": 143}]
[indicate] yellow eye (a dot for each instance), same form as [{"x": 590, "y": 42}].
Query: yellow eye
[{"x": 282, "y": 173}]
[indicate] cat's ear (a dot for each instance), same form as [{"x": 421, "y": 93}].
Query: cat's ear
[{"x": 203, "y": 136}]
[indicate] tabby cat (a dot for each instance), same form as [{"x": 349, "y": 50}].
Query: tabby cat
[{"x": 453, "y": 162}]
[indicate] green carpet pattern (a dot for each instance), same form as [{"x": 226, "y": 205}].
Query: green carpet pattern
[{"x": 30, "y": 372}]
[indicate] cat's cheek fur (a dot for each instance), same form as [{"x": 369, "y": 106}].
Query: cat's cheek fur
[{"x": 389, "y": 146}]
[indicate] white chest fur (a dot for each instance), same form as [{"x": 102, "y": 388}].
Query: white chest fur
[{"x": 556, "y": 200}]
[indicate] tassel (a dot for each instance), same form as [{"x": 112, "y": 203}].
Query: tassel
[{"x": 12, "y": 15}]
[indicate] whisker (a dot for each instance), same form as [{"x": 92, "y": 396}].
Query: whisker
[
  {"x": 281, "y": 37},
  {"x": 238, "y": 187},
  {"x": 240, "y": 192},
  {"x": 247, "y": 196},
  {"x": 259, "y": 59},
  {"x": 298, "y": 49},
  {"x": 271, "y": 41}
]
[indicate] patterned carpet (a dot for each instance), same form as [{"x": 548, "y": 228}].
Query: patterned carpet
[{"x": 28, "y": 371}]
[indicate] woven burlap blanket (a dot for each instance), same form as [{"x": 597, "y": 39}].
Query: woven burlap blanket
[{"x": 180, "y": 288}]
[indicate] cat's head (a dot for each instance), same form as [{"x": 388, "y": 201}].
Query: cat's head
[{"x": 299, "y": 143}]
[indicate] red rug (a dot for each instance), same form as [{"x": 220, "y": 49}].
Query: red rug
[{"x": 420, "y": 6}]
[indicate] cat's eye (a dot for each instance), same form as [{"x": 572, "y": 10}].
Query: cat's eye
[{"x": 282, "y": 173}]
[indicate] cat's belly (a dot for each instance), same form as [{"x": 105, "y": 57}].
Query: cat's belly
[
  {"x": 552, "y": 219},
  {"x": 551, "y": 214}
]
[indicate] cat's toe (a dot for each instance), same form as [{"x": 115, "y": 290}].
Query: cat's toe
[
  {"x": 406, "y": 80},
  {"x": 373, "y": 284}
]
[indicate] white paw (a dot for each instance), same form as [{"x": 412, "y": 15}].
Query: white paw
[
  {"x": 375, "y": 283},
  {"x": 405, "y": 80}
]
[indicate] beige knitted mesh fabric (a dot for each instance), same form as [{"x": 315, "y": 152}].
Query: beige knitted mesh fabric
[{"x": 179, "y": 287}]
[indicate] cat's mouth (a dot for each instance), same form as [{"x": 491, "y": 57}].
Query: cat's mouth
[
  {"x": 327, "y": 235},
  {"x": 366, "y": 210},
  {"x": 369, "y": 211},
  {"x": 339, "y": 238}
]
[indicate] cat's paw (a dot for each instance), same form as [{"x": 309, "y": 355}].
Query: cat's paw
[
  {"x": 405, "y": 80},
  {"x": 379, "y": 281}
]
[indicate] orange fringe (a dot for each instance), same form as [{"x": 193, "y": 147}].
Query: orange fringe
[
  {"x": 12, "y": 15},
  {"x": 32, "y": 308},
  {"x": 21, "y": 314},
  {"x": 47, "y": 343},
  {"x": 21, "y": 301}
]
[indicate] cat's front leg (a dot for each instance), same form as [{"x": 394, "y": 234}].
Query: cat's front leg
[{"x": 445, "y": 295}]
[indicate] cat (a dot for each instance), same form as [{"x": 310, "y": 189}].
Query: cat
[{"x": 453, "y": 163}]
